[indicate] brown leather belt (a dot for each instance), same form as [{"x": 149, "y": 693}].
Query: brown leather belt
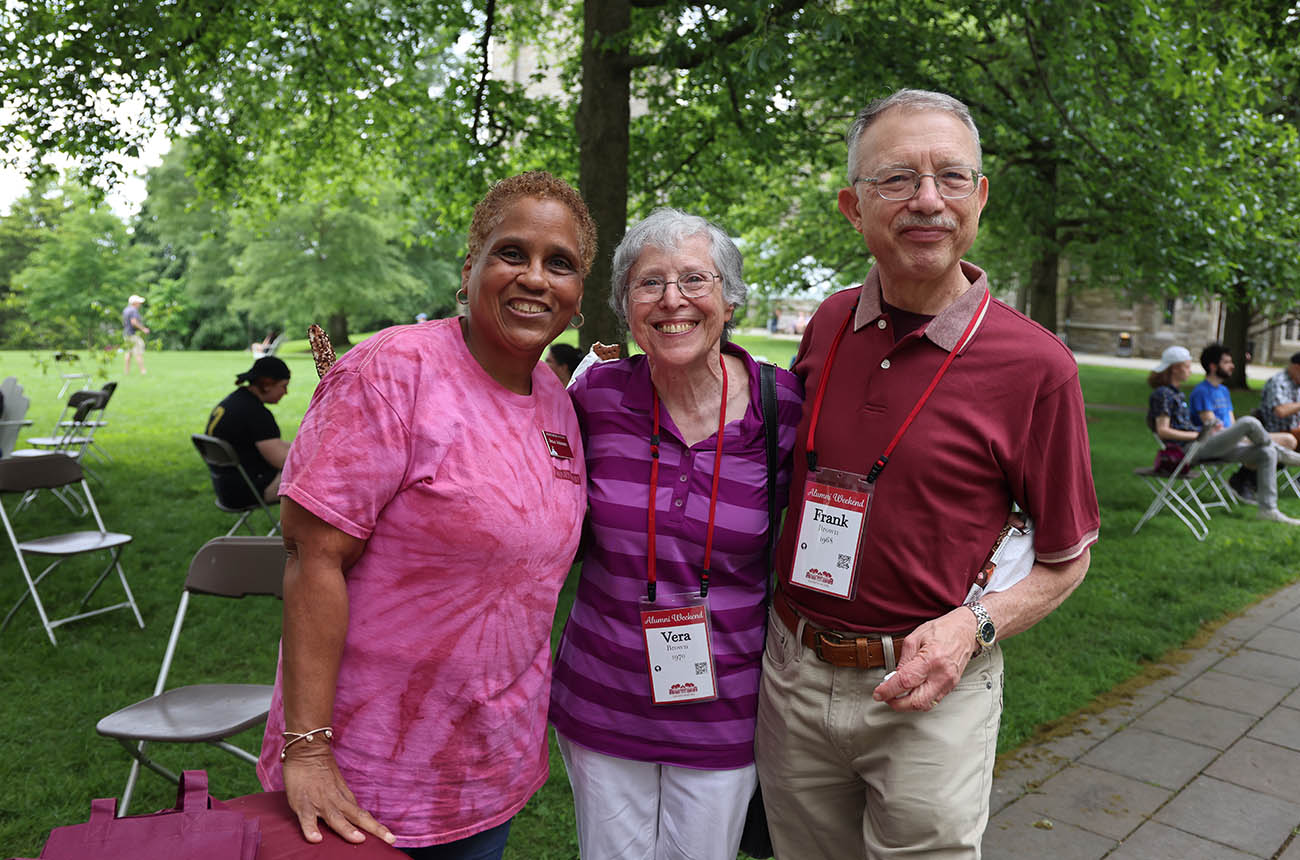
[{"x": 859, "y": 651}]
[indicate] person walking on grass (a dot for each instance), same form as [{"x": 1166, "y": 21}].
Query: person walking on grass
[{"x": 133, "y": 328}]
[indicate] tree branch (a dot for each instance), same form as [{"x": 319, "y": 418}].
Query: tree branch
[
  {"x": 1047, "y": 90},
  {"x": 691, "y": 59},
  {"x": 484, "y": 45}
]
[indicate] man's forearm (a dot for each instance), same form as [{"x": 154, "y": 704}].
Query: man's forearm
[{"x": 1031, "y": 599}]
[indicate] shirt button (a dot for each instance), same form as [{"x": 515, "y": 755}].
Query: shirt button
[
  {"x": 677, "y": 503},
  {"x": 885, "y": 364},
  {"x": 682, "y": 479},
  {"x": 881, "y": 324}
]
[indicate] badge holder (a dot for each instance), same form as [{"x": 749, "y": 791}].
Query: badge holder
[
  {"x": 832, "y": 523},
  {"x": 679, "y": 651}
]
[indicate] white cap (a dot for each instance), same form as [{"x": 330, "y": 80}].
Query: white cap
[
  {"x": 135, "y": 300},
  {"x": 1171, "y": 356}
]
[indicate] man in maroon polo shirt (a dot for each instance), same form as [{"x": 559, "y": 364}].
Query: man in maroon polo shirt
[{"x": 930, "y": 408}]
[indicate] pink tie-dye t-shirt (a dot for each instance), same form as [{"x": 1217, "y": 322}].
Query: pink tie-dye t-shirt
[{"x": 471, "y": 521}]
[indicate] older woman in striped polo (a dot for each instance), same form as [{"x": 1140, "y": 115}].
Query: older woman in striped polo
[{"x": 656, "y": 682}]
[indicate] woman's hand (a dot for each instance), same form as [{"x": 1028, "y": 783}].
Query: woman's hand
[{"x": 316, "y": 790}]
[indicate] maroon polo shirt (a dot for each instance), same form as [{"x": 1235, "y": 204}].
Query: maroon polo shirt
[{"x": 1005, "y": 422}]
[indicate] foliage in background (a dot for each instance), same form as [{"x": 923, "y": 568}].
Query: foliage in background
[
  {"x": 1143, "y": 596},
  {"x": 1152, "y": 145}
]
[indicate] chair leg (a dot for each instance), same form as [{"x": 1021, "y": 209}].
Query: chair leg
[{"x": 137, "y": 751}]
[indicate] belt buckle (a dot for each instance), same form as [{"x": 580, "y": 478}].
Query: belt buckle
[{"x": 825, "y": 637}]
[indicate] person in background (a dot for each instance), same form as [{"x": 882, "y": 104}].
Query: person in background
[
  {"x": 432, "y": 503},
  {"x": 564, "y": 360},
  {"x": 1211, "y": 405},
  {"x": 243, "y": 420},
  {"x": 1245, "y": 442},
  {"x": 676, "y": 435},
  {"x": 133, "y": 328},
  {"x": 1280, "y": 403}
]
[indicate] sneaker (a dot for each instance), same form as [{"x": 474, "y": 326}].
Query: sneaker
[
  {"x": 1276, "y": 516},
  {"x": 1242, "y": 484}
]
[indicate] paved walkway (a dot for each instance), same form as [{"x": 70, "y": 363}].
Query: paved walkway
[{"x": 1203, "y": 764}]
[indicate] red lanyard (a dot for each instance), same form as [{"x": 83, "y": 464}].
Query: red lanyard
[
  {"x": 883, "y": 459},
  {"x": 651, "y": 582}
]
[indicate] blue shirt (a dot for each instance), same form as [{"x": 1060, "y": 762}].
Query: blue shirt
[{"x": 1211, "y": 398}]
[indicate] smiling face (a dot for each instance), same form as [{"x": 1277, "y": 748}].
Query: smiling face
[
  {"x": 524, "y": 285},
  {"x": 920, "y": 240},
  {"x": 676, "y": 331}
]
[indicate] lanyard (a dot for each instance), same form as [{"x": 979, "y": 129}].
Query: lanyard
[
  {"x": 651, "y": 582},
  {"x": 883, "y": 459}
]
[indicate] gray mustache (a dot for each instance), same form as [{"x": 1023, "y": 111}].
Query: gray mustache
[{"x": 929, "y": 221}]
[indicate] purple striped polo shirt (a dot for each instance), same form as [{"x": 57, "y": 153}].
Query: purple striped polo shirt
[{"x": 600, "y": 694}]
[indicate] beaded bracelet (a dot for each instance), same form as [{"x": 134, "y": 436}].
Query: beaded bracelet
[{"x": 294, "y": 737}]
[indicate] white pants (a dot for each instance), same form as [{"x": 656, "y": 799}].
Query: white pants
[{"x": 635, "y": 810}]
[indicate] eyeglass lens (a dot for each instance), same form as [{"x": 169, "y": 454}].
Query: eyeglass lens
[{"x": 902, "y": 183}]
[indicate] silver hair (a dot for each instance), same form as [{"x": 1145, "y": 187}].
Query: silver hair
[
  {"x": 914, "y": 100},
  {"x": 667, "y": 228}
]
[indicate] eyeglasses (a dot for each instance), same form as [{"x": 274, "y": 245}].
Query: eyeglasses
[
  {"x": 901, "y": 183},
  {"x": 692, "y": 285}
]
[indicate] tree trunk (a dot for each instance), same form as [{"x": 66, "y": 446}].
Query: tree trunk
[
  {"x": 1042, "y": 287},
  {"x": 337, "y": 329},
  {"x": 1236, "y": 332},
  {"x": 1044, "y": 271},
  {"x": 603, "y": 121}
]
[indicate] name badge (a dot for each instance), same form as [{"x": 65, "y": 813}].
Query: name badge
[
  {"x": 679, "y": 653},
  {"x": 558, "y": 445},
  {"x": 831, "y": 525}
]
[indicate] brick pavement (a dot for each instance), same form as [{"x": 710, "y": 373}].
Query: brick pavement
[{"x": 1203, "y": 764}]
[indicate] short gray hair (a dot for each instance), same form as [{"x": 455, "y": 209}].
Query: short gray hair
[
  {"x": 914, "y": 100},
  {"x": 667, "y": 228}
]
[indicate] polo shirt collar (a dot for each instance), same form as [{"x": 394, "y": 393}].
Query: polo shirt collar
[
  {"x": 639, "y": 394},
  {"x": 947, "y": 326}
]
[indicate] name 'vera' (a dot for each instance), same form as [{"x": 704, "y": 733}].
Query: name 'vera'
[{"x": 675, "y": 637}]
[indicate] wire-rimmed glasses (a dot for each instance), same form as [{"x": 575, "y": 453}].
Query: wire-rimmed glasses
[
  {"x": 902, "y": 183},
  {"x": 692, "y": 285}
]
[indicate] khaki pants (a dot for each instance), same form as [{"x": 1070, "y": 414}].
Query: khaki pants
[{"x": 844, "y": 776}]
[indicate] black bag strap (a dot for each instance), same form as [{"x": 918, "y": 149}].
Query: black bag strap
[{"x": 767, "y": 390}]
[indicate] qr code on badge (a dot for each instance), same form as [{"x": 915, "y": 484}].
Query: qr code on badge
[
  {"x": 843, "y": 562},
  {"x": 701, "y": 668}
]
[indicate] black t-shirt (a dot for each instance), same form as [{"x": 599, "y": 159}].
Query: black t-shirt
[{"x": 243, "y": 421}]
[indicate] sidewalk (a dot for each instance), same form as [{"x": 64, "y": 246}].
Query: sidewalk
[{"x": 1203, "y": 764}]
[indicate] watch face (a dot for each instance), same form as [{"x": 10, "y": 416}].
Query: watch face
[{"x": 987, "y": 632}]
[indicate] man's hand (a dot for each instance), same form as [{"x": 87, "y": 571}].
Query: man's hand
[
  {"x": 930, "y": 663},
  {"x": 315, "y": 789}
]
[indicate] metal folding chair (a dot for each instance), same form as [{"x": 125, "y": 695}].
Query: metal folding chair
[
  {"x": 14, "y": 417},
  {"x": 94, "y": 423},
  {"x": 51, "y": 471},
  {"x": 219, "y": 454},
  {"x": 202, "y": 713},
  {"x": 1183, "y": 493}
]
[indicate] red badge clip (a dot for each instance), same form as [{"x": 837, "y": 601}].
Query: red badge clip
[{"x": 558, "y": 445}]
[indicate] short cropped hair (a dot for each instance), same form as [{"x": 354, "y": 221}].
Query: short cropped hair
[
  {"x": 1295, "y": 359},
  {"x": 1213, "y": 354},
  {"x": 667, "y": 228},
  {"x": 569, "y": 356},
  {"x": 491, "y": 210},
  {"x": 912, "y": 100}
]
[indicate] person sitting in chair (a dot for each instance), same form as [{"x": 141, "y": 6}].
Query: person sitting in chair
[
  {"x": 243, "y": 420},
  {"x": 1245, "y": 442}
]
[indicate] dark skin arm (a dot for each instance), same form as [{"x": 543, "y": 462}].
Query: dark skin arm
[{"x": 315, "y": 624}]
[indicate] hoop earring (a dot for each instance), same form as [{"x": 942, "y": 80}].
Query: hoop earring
[
  {"x": 578, "y": 320},
  {"x": 462, "y": 297}
]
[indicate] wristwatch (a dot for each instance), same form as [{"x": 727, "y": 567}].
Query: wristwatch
[{"x": 986, "y": 633}]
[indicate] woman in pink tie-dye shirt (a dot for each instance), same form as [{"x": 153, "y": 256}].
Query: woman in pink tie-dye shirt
[{"x": 432, "y": 502}]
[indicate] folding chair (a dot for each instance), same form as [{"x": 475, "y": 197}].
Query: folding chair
[
  {"x": 219, "y": 454},
  {"x": 14, "y": 416},
  {"x": 71, "y": 436},
  {"x": 202, "y": 713},
  {"x": 95, "y": 423},
  {"x": 22, "y": 475}
]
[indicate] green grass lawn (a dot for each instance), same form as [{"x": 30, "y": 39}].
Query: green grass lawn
[{"x": 1144, "y": 596}]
